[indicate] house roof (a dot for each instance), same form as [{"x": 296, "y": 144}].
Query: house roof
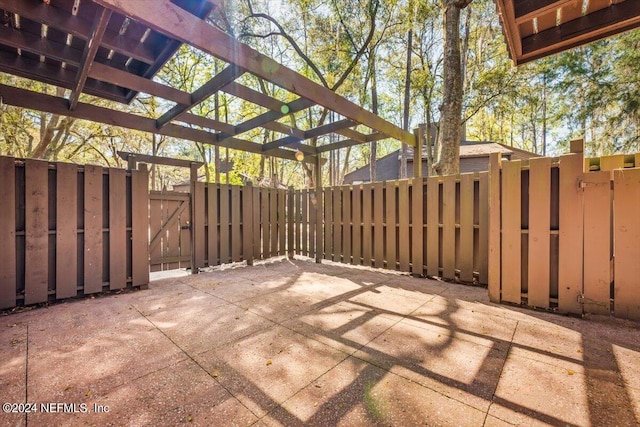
[
  {"x": 387, "y": 167},
  {"x": 482, "y": 149},
  {"x": 537, "y": 28}
]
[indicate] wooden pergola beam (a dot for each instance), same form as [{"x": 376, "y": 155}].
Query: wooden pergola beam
[
  {"x": 38, "y": 11},
  {"x": 284, "y": 129},
  {"x": 226, "y": 76},
  {"x": 329, "y": 128},
  {"x": 159, "y": 160},
  {"x": 179, "y": 24},
  {"x": 270, "y": 116},
  {"x": 57, "y": 105},
  {"x": 41, "y": 46},
  {"x": 47, "y": 73},
  {"x": 127, "y": 80},
  {"x": 89, "y": 54},
  {"x": 253, "y": 96},
  {"x": 352, "y": 134}
]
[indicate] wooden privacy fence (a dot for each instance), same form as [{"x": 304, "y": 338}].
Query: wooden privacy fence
[
  {"x": 240, "y": 223},
  {"x": 570, "y": 234},
  {"x": 435, "y": 226},
  {"x": 68, "y": 230}
]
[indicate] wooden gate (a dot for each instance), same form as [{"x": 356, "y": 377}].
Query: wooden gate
[
  {"x": 169, "y": 230},
  {"x": 569, "y": 232}
]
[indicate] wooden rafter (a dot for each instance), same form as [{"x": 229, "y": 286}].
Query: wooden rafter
[
  {"x": 226, "y": 76},
  {"x": 56, "y": 105},
  {"x": 38, "y": 11},
  {"x": 89, "y": 54},
  {"x": 538, "y": 28},
  {"x": 159, "y": 160},
  {"x": 50, "y": 74},
  {"x": 179, "y": 24}
]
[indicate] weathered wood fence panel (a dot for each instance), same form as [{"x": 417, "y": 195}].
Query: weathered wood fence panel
[
  {"x": 68, "y": 230},
  {"x": 399, "y": 225},
  {"x": 580, "y": 234}
]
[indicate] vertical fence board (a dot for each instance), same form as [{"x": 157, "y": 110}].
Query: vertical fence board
[
  {"x": 306, "y": 225},
  {"x": 357, "y": 225},
  {"x": 255, "y": 211},
  {"x": 466, "y": 228},
  {"x": 403, "y": 221},
  {"x": 627, "y": 243},
  {"x": 328, "y": 222},
  {"x": 8, "y": 286},
  {"x": 449, "y": 227},
  {"x": 609, "y": 163},
  {"x": 433, "y": 227},
  {"x": 337, "y": 227},
  {"x": 494, "y": 269},
  {"x": 378, "y": 221},
  {"x": 291, "y": 215},
  {"x": 155, "y": 249},
  {"x": 297, "y": 221},
  {"x": 67, "y": 231},
  {"x": 225, "y": 238},
  {"x": 117, "y": 227},
  {"x": 570, "y": 257},
  {"x": 140, "y": 227},
  {"x": 273, "y": 222},
  {"x": 198, "y": 234},
  {"x": 212, "y": 224},
  {"x": 539, "y": 228},
  {"x": 247, "y": 224},
  {"x": 597, "y": 241},
  {"x": 483, "y": 232},
  {"x": 37, "y": 231},
  {"x": 92, "y": 229},
  {"x": 417, "y": 230},
  {"x": 346, "y": 225},
  {"x": 282, "y": 235},
  {"x": 236, "y": 219},
  {"x": 313, "y": 215},
  {"x": 367, "y": 225},
  {"x": 390, "y": 219},
  {"x": 511, "y": 232},
  {"x": 266, "y": 225}
]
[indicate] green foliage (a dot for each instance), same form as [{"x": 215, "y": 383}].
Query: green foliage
[{"x": 592, "y": 92}]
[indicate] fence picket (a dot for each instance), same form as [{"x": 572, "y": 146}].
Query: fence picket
[
  {"x": 627, "y": 243},
  {"x": 539, "y": 232},
  {"x": 511, "y": 232}
]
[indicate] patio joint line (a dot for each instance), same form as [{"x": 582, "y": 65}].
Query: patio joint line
[
  {"x": 196, "y": 363},
  {"x": 504, "y": 363}
]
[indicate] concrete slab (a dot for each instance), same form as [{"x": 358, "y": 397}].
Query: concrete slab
[
  {"x": 344, "y": 326},
  {"x": 356, "y": 393},
  {"x": 13, "y": 369},
  {"x": 298, "y": 343},
  {"x": 439, "y": 359},
  {"x": 268, "y": 367}
]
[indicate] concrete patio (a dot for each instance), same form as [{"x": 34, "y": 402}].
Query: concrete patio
[{"x": 289, "y": 343}]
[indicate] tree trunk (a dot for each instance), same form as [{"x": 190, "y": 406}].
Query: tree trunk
[
  {"x": 373, "y": 155},
  {"x": 407, "y": 94},
  {"x": 450, "y": 120}
]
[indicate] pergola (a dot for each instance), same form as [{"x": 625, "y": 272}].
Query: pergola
[
  {"x": 112, "y": 49},
  {"x": 538, "y": 28}
]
